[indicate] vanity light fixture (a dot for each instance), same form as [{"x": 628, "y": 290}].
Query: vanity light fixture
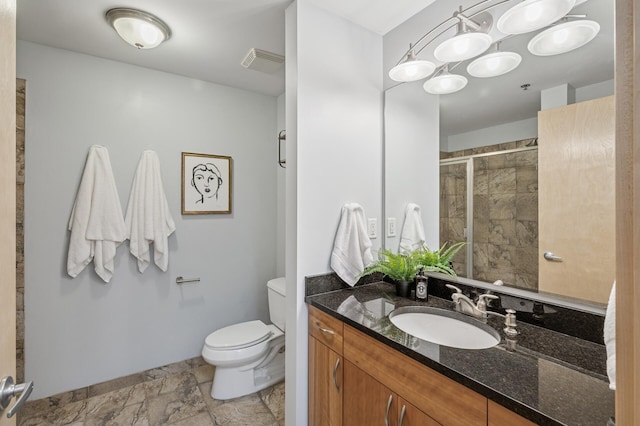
[
  {"x": 411, "y": 69},
  {"x": 563, "y": 38},
  {"x": 445, "y": 83},
  {"x": 531, "y": 15},
  {"x": 140, "y": 29},
  {"x": 494, "y": 64},
  {"x": 470, "y": 40}
]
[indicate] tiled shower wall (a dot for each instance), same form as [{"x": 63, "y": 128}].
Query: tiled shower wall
[
  {"x": 20, "y": 121},
  {"x": 505, "y": 216}
]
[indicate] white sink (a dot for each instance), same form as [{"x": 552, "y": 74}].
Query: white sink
[{"x": 444, "y": 327}]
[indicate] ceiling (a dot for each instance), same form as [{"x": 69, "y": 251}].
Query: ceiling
[{"x": 211, "y": 37}]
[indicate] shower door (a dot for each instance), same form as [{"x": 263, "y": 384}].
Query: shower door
[{"x": 456, "y": 223}]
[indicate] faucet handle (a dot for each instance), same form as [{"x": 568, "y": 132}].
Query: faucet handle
[
  {"x": 454, "y": 288},
  {"x": 483, "y": 300},
  {"x": 510, "y": 323}
]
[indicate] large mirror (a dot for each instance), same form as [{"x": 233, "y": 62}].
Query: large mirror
[{"x": 488, "y": 138}]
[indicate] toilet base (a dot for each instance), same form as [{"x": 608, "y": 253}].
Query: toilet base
[{"x": 234, "y": 382}]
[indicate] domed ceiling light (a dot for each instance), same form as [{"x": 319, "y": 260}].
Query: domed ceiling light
[
  {"x": 563, "y": 38},
  {"x": 494, "y": 64},
  {"x": 140, "y": 29},
  {"x": 531, "y": 15},
  {"x": 469, "y": 41},
  {"x": 412, "y": 69},
  {"x": 445, "y": 83}
]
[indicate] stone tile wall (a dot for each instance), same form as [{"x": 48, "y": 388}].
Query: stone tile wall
[
  {"x": 20, "y": 123},
  {"x": 505, "y": 200}
]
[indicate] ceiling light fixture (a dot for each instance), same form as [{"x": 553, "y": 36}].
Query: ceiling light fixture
[
  {"x": 563, "y": 38},
  {"x": 412, "y": 69},
  {"x": 140, "y": 29},
  {"x": 470, "y": 40},
  {"x": 531, "y": 15},
  {"x": 445, "y": 83},
  {"x": 494, "y": 64}
]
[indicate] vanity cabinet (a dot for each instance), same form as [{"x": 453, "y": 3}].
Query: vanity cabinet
[
  {"x": 356, "y": 380},
  {"x": 325, "y": 369}
]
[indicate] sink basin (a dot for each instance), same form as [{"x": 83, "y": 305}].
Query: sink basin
[{"x": 444, "y": 327}]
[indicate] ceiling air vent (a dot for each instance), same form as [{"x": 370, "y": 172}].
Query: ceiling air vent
[{"x": 263, "y": 61}]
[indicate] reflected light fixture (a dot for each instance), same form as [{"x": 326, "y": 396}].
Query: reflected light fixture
[
  {"x": 412, "y": 69},
  {"x": 140, "y": 29},
  {"x": 494, "y": 64},
  {"x": 531, "y": 15},
  {"x": 464, "y": 45},
  {"x": 563, "y": 38},
  {"x": 445, "y": 83}
]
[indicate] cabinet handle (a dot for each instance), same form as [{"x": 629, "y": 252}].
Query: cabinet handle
[
  {"x": 386, "y": 415},
  {"x": 401, "y": 419},
  {"x": 324, "y": 330},
  {"x": 335, "y": 375}
]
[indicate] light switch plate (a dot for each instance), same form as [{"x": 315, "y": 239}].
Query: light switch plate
[
  {"x": 372, "y": 228},
  {"x": 391, "y": 227}
]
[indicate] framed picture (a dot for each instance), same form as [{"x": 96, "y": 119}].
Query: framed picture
[{"x": 206, "y": 184}]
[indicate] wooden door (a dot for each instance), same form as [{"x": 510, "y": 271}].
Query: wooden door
[
  {"x": 576, "y": 178},
  {"x": 325, "y": 385},
  {"x": 7, "y": 193},
  {"x": 367, "y": 401},
  {"x": 408, "y": 415}
]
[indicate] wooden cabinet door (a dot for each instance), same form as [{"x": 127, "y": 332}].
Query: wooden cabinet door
[
  {"x": 408, "y": 415},
  {"x": 325, "y": 385},
  {"x": 367, "y": 401},
  {"x": 500, "y": 416},
  {"x": 576, "y": 181}
]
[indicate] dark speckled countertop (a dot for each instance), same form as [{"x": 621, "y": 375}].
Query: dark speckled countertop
[{"x": 536, "y": 380}]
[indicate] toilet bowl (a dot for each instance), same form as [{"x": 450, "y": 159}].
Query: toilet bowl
[{"x": 249, "y": 356}]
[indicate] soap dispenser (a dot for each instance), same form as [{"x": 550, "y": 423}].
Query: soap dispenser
[{"x": 421, "y": 286}]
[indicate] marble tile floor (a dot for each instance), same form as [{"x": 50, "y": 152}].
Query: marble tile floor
[{"x": 176, "y": 394}]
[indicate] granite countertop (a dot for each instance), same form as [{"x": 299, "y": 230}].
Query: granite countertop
[{"x": 548, "y": 379}]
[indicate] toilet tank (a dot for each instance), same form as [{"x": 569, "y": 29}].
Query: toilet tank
[{"x": 277, "y": 307}]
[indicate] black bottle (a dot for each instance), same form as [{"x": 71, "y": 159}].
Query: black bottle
[{"x": 421, "y": 286}]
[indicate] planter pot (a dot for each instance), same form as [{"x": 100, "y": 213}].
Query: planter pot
[{"x": 403, "y": 288}]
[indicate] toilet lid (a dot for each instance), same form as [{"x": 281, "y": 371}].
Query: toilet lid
[{"x": 238, "y": 336}]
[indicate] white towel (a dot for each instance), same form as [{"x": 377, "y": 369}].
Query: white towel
[
  {"x": 352, "y": 246},
  {"x": 148, "y": 219},
  {"x": 610, "y": 337},
  {"x": 412, "y": 235},
  {"x": 96, "y": 223}
]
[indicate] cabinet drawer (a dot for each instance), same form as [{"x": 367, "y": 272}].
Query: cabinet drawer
[
  {"x": 325, "y": 328},
  {"x": 498, "y": 415},
  {"x": 441, "y": 398}
]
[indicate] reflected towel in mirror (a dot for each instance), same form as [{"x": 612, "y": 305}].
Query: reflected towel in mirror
[
  {"x": 610, "y": 337},
  {"x": 412, "y": 236}
]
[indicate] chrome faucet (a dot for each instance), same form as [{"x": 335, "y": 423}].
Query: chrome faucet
[
  {"x": 479, "y": 310},
  {"x": 466, "y": 305}
]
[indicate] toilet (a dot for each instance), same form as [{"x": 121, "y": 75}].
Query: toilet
[{"x": 249, "y": 356}]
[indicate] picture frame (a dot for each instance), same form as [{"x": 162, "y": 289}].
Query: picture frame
[{"x": 206, "y": 183}]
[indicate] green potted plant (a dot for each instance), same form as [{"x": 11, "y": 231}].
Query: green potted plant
[
  {"x": 400, "y": 267},
  {"x": 438, "y": 260}
]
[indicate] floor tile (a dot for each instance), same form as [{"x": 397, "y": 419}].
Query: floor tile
[
  {"x": 202, "y": 419},
  {"x": 204, "y": 373},
  {"x": 131, "y": 415},
  {"x": 174, "y": 406},
  {"x": 273, "y": 398},
  {"x": 248, "y": 410},
  {"x": 67, "y": 414}
]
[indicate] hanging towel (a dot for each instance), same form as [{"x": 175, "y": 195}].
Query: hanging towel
[
  {"x": 148, "y": 219},
  {"x": 412, "y": 235},
  {"x": 96, "y": 223},
  {"x": 352, "y": 246},
  {"x": 610, "y": 337}
]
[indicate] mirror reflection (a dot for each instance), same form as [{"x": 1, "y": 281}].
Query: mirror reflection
[{"x": 490, "y": 188}]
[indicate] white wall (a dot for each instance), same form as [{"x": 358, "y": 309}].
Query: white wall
[
  {"x": 337, "y": 67},
  {"x": 412, "y": 172},
  {"x": 82, "y": 331},
  {"x": 517, "y": 130},
  {"x": 595, "y": 91}
]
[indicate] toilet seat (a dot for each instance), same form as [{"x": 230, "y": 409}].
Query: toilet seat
[{"x": 238, "y": 336}]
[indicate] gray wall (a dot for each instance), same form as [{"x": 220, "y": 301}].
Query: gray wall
[{"x": 82, "y": 331}]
